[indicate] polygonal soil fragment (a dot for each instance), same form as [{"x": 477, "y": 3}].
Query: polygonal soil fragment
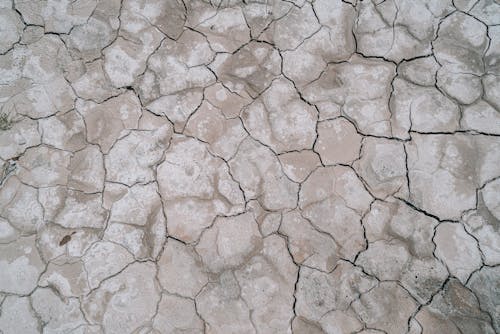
[
  {"x": 259, "y": 15},
  {"x": 22, "y": 134},
  {"x": 491, "y": 58},
  {"x": 288, "y": 32},
  {"x": 485, "y": 285},
  {"x": 109, "y": 121},
  {"x": 333, "y": 199},
  {"x": 17, "y": 316},
  {"x": 65, "y": 131},
  {"x": 382, "y": 166},
  {"x": 35, "y": 79},
  {"x": 180, "y": 270},
  {"x": 404, "y": 236},
  {"x": 21, "y": 266},
  {"x": 222, "y": 308},
  {"x": 123, "y": 62},
  {"x": 56, "y": 314},
  {"x": 93, "y": 84},
  {"x": 338, "y": 142},
  {"x": 7, "y": 232},
  {"x": 51, "y": 247},
  {"x": 341, "y": 322},
  {"x": 298, "y": 165},
  {"x": 486, "y": 11},
  {"x": 44, "y": 99},
  {"x": 228, "y": 102},
  {"x": 454, "y": 310},
  {"x": 268, "y": 221},
  {"x": 259, "y": 174},
  {"x": 334, "y": 42},
  {"x": 72, "y": 209},
  {"x": 104, "y": 259},
  {"x": 481, "y": 117},
  {"x": 177, "y": 108},
  {"x": 68, "y": 279},
  {"x": 307, "y": 245},
  {"x": 191, "y": 177},
  {"x": 445, "y": 170},
  {"x": 56, "y": 17},
  {"x": 249, "y": 70},
  {"x": 460, "y": 43},
  {"x": 256, "y": 297},
  {"x": 490, "y": 195},
  {"x": 386, "y": 307},
  {"x": 97, "y": 32},
  {"x": 229, "y": 242},
  {"x": 361, "y": 87},
  {"x": 126, "y": 58},
  {"x": 87, "y": 170},
  {"x": 125, "y": 301},
  {"x": 491, "y": 84},
  {"x": 301, "y": 325},
  {"x": 390, "y": 29},
  {"x": 209, "y": 124},
  {"x": 14, "y": 198},
  {"x": 280, "y": 119},
  {"x": 484, "y": 226},
  {"x": 143, "y": 242},
  {"x": 459, "y": 47},
  {"x": 457, "y": 249},
  {"x": 420, "y": 71},
  {"x": 177, "y": 315},
  {"x": 173, "y": 84},
  {"x": 44, "y": 166},
  {"x": 319, "y": 293},
  {"x": 191, "y": 49},
  {"x": 167, "y": 16},
  {"x": 12, "y": 27},
  {"x": 267, "y": 286},
  {"x": 466, "y": 88},
  {"x": 138, "y": 205},
  {"x": 131, "y": 160},
  {"x": 421, "y": 109},
  {"x": 136, "y": 220},
  {"x": 226, "y": 31}
]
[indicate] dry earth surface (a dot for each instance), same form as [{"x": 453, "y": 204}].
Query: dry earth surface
[{"x": 250, "y": 166}]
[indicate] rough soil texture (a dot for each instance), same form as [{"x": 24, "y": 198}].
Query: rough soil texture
[{"x": 250, "y": 166}]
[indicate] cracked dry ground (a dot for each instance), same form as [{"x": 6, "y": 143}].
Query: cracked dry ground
[{"x": 280, "y": 166}]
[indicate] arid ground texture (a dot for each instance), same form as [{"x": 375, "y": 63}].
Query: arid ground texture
[{"x": 250, "y": 166}]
